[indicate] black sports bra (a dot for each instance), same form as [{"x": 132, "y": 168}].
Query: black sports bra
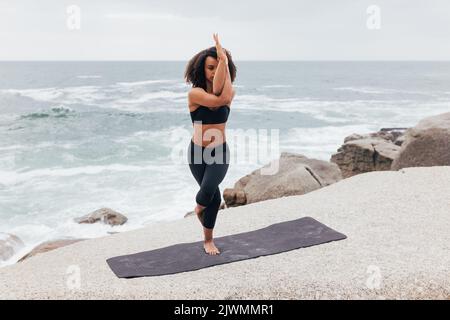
[{"x": 208, "y": 116}]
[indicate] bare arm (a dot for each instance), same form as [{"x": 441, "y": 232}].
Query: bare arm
[
  {"x": 219, "y": 77},
  {"x": 201, "y": 97},
  {"x": 223, "y": 92},
  {"x": 227, "y": 87}
]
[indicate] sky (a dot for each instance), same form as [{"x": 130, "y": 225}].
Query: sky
[{"x": 249, "y": 29}]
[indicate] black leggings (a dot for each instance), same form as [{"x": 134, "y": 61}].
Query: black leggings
[{"x": 209, "y": 166}]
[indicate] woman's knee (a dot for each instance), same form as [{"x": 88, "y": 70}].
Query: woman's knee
[
  {"x": 207, "y": 195},
  {"x": 204, "y": 196}
]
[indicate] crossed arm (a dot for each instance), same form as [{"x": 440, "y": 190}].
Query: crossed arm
[
  {"x": 219, "y": 77},
  {"x": 213, "y": 100},
  {"x": 222, "y": 80},
  {"x": 201, "y": 97}
]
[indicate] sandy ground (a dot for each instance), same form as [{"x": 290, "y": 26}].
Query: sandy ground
[{"x": 398, "y": 247}]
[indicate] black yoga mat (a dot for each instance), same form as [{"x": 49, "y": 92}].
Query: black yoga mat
[{"x": 276, "y": 238}]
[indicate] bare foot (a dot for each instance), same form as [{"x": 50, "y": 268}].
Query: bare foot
[{"x": 210, "y": 248}]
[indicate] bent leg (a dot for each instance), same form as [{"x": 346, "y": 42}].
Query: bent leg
[
  {"x": 213, "y": 176},
  {"x": 210, "y": 212}
]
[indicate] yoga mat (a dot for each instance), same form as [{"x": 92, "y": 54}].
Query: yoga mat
[{"x": 275, "y": 238}]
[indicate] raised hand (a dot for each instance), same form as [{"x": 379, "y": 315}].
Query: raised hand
[{"x": 221, "y": 53}]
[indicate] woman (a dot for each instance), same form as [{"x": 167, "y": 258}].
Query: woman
[{"x": 211, "y": 73}]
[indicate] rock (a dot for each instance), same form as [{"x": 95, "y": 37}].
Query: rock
[
  {"x": 389, "y": 134},
  {"x": 296, "y": 175},
  {"x": 364, "y": 155},
  {"x": 427, "y": 144},
  {"x": 394, "y": 134},
  {"x": 352, "y": 137},
  {"x": 9, "y": 245},
  {"x": 399, "y": 141},
  {"x": 234, "y": 197},
  {"x": 48, "y": 246},
  {"x": 368, "y": 152},
  {"x": 106, "y": 215}
]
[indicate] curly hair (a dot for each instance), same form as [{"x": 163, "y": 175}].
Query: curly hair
[{"x": 195, "y": 72}]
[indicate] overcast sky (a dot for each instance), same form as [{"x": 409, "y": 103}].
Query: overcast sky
[{"x": 250, "y": 29}]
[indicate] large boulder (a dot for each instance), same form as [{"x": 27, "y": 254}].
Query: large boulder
[
  {"x": 48, "y": 246},
  {"x": 296, "y": 175},
  {"x": 9, "y": 245},
  {"x": 368, "y": 152},
  {"x": 427, "y": 144},
  {"x": 106, "y": 215}
]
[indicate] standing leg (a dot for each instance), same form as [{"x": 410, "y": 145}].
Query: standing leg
[
  {"x": 212, "y": 177},
  {"x": 209, "y": 176}
]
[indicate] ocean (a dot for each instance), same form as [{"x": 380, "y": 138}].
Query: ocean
[{"x": 79, "y": 136}]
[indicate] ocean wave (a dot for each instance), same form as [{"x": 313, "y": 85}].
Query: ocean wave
[
  {"x": 389, "y": 91},
  {"x": 7, "y": 118},
  {"x": 55, "y": 112},
  {"x": 160, "y": 136},
  {"x": 278, "y": 86},
  {"x": 14, "y": 177},
  {"x": 163, "y": 94},
  {"x": 259, "y": 98},
  {"x": 365, "y": 90},
  {"x": 335, "y": 111},
  {"x": 264, "y": 102},
  {"x": 305, "y": 140},
  {"x": 12, "y": 147},
  {"x": 144, "y": 82},
  {"x": 66, "y": 95},
  {"x": 111, "y": 96},
  {"x": 41, "y": 145},
  {"x": 42, "y": 94},
  {"x": 329, "y": 135}
]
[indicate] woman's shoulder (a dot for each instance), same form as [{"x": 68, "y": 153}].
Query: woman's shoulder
[
  {"x": 200, "y": 91},
  {"x": 191, "y": 95},
  {"x": 196, "y": 90}
]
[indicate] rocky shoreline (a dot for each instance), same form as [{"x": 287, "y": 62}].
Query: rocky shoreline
[
  {"x": 390, "y": 149},
  {"x": 396, "y": 223}
]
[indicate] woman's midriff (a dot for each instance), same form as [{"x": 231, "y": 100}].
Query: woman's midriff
[{"x": 207, "y": 138}]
